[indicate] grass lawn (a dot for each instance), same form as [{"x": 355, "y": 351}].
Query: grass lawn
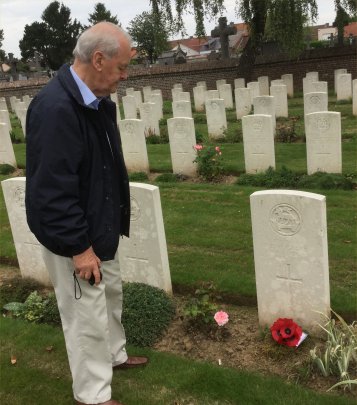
[{"x": 41, "y": 376}]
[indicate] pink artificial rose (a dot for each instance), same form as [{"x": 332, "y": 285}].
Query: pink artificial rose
[
  {"x": 198, "y": 147},
  {"x": 221, "y": 318}
]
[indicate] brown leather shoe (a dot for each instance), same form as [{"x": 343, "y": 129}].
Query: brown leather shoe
[
  {"x": 110, "y": 402},
  {"x": 132, "y": 362}
]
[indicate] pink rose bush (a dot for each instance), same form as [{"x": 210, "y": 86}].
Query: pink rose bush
[{"x": 208, "y": 161}]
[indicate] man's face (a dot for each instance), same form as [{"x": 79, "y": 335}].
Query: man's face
[{"x": 114, "y": 69}]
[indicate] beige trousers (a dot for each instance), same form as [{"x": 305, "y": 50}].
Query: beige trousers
[{"x": 94, "y": 335}]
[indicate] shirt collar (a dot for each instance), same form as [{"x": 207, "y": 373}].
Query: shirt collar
[{"x": 89, "y": 99}]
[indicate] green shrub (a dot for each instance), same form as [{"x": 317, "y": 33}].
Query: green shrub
[
  {"x": 18, "y": 289},
  {"x": 169, "y": 178},
  {"x": 286, "y": 178},
  {"x": 270, "y": 179},
  {"x": 33, "y": 308},
  {"x": 51, "y": 313},
  {"x": 147, "y": 312},
  {"x": 326, "y": 181},
  {"x": 6, "y": 169},
  {"x": 138, "y": 176}
]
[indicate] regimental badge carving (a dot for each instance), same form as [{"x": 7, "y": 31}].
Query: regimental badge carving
[
  {"x": 314, "y": 99},
  {"x": 134, "y": 209},
  {"x": 19, "y": 197},
  {"x": 285, "y": 219},
  {"x": 323, "y": 124},
  {"x": 129, "y": 128},
  {"x": 214, "y": 106},
  {"x": 262, "y": 102}
]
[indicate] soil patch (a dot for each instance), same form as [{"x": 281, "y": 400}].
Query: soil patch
[{"x": 243, "y": 345}]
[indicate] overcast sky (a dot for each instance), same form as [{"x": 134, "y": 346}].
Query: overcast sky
[{"x": 15, "y": 14}]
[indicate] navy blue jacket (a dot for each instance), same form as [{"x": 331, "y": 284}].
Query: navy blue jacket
[{"x": 77, "y": 187}]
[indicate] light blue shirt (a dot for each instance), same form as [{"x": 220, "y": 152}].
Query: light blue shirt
[{"x": 90, "y": 100}]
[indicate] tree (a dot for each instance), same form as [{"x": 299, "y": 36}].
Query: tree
[
  {"x": 346, "y": 11},
  {"x": 101, "y": 14},
  {"x": 54, "y": 38},
  {"x": 278, "y": 20},
  {"x": 150, "y": 34},
  {"x": 342, "y": 19},
  {"x": 2, "y": 52},
  {"x": 201, "y": 8}
]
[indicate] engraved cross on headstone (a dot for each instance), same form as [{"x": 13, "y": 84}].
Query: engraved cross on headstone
[
  {"x": 291, "y": 280},
  {"x": 223, "y": 31}
]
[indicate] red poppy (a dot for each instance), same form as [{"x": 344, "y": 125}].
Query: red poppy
[{"x": 286, "y": 332}]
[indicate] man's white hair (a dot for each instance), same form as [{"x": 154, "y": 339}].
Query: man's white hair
[{"x": 92, "y": 40}]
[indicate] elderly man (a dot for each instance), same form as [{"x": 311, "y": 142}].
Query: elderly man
[{"x": 78, "y": 205}]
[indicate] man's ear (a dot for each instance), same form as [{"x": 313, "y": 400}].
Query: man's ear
[{"x": 97, "y": 60}]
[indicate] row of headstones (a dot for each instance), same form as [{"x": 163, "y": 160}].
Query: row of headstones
[
  {"x": 290, "y": 249},
  {"x": 323, "y": 142},
  {"x": 7, "y": 155}
]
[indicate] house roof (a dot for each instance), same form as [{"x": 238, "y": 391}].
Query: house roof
[
  {"x": 192, "y": 43},
  {"x": 351, "y": 28}
]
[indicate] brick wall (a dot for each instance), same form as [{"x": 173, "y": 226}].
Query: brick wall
[{"x": 323, "y": 61}]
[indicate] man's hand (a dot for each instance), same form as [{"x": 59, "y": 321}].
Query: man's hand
[{"x": 86, "y": 264}]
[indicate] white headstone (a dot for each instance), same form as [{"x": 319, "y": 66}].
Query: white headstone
[
  {"x": 239, "y": 83},
  {"x": 263, "y": 85},
  {"x": 13, "y": 102},
  {"x": 5, "y": 117},
  {"x": 291, "y": 257},
  {"x": 288, "y": 80},
  {"x": 344, "y": 86},
  {"x": 146, "y": 92},
  {"x": 129, "y": 106},
  {"x": 129, "y": 91},
  {"x": 277, "y": 82},
  {"x": 314, "y": 102},
  {"x": 143, "y": 257},
  {"x": 182, "y": 141},
  {"x": 115, "y": 99},
  {"x": 151, "y": 121},
  {"x": 202, "y": 83},
  {"x": 211, "y": 94},
  {"x": 28, "y": 249},
  {"x": 265, "y": 105},
  {"x": 7, "y": 155},
  {"x": 336, "y": 73},
  {"x": 181, "y": 109},
  {"x": 199, "y": 94},
  {"x": 183, "y": 96},
  {"x": 225, "y": 92},
  {"x": 132, "y": 133},
  {"x": 323, "y": 142},
  {"x": 312, "y": 76},
  {"x": 319, "y": 87},
  {"x": 157, "y": 100},
  {"x": 20, "y": 105},
  {"x": 3, "y": 105},
  {"x": 138, "y": 98},
  {"x": 254, "y": 90},
  {"x": 281, "y": 100},
  {"x": 243, "y": 101},
  {"x": 306, "y": 81},
  {"x": 219, "y": 82},
  {"x": 216, "y": 117},
  {"x": 258, "y": 143},
  {"x": 21, "y": 114},
  {"x": 178, "y": 86},
  {"x": 27, "y": 100},
  {"x": 354, "y": 97},
  {"x": 175, "y": 93}
]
